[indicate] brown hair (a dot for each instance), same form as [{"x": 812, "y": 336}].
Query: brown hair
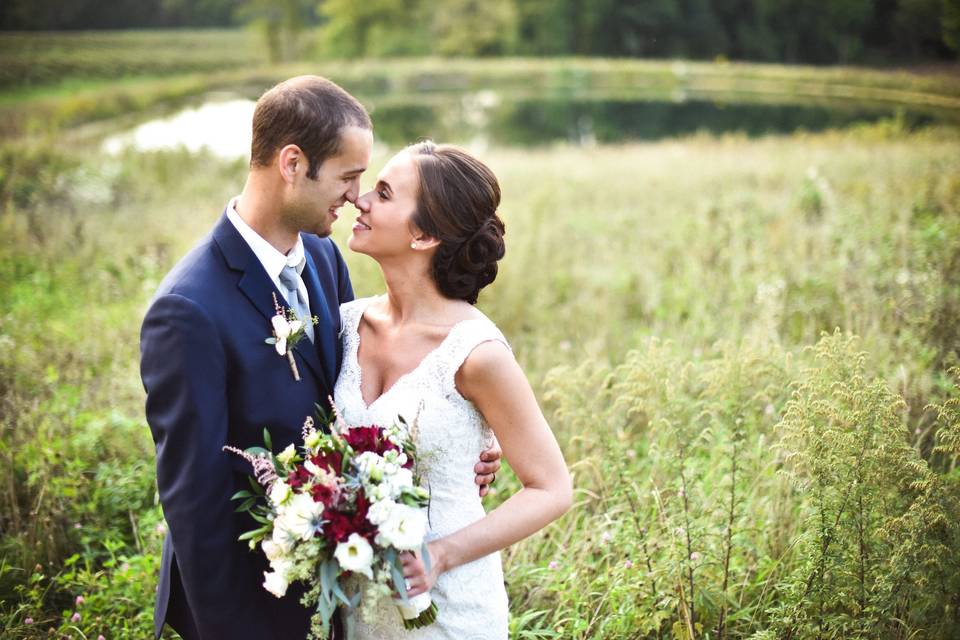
[
  {"x": 308, "y": 111},
  {"x": 457, "y": 204}
]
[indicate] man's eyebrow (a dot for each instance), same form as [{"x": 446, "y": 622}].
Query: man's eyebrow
[{"x": 354, "y": 172}]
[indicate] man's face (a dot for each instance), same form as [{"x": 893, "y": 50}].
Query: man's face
[{"x": 314, "y": 203}]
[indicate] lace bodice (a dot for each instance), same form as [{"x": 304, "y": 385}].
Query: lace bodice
[{"x": 450, "y": 435}]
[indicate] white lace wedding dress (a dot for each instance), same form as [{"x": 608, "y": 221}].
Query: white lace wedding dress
[{"x": 451, "y": 434}]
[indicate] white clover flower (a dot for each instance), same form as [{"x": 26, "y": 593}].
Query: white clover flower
[
  {"x": 275, "y": 583},
  {"x": 280, "y": 492},
  {"x": 286, "y": 456},
  {"x": 404, "y": 529},
  {"x": 355, "y": 555}
]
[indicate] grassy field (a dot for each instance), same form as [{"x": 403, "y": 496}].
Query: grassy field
[{"x": 745, "y": 346}]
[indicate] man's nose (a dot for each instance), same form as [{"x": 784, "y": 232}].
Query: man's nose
[{"x": 353, "y": 192}]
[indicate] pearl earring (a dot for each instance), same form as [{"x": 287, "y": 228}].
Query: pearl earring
[{"x": 413, "y": 245}]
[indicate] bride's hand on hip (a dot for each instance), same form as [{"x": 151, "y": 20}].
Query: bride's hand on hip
[{"x": 418, "y": 579}]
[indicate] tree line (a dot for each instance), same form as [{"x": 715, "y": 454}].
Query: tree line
[{"x": 791, "y": 31}]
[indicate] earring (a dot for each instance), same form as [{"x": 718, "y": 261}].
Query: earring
[{"x": 413, "y": 245}]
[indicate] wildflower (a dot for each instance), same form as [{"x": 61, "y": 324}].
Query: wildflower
[
  {"x": 553, "y": 565},
  {"x": 100, "y": 637},
  {"x": 679, "y": 531},
  {"x": 75, "y": 617},
  {"x": 28, "y": 621},
  {"x": 631, "y": 454},
  {"x": 605, "y": 537},
  {"x": 80, "y": 600},
  {"x": 77, "y": 525},
  {"x": 695, "y": 556},
  {"x": 628, "y": 564}
]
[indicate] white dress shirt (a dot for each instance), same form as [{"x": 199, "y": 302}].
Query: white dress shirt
[{"x": 272, "y": 260}]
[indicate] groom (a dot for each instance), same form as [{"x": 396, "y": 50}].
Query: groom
[{"x": 210, "y": 378}]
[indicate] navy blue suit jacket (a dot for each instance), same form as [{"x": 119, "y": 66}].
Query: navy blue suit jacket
[{"x": 212, "y": 381}]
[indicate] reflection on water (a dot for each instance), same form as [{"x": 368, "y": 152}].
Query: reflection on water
[
  {"x": 499, "y": 118},
  {"x": 223, "y": 128}
]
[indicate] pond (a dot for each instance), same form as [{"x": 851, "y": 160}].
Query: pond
[{"x": 510, "y": 119}]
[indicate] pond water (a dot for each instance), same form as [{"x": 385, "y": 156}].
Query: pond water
[{"x": 497, "y": 118}]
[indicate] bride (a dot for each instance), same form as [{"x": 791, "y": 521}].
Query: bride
[{"x": 424, "y": 352}]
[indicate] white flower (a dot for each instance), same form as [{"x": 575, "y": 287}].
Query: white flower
[
  {"x": 276, "y": 583},
  {"x": 379, "y": 512},
  {"x": 355, "y": 555},
  {"x": 283, "y": 537},
  {"x": 281, "y": 328},
  {"x": 404, "y": 529},
  {"x": 302, "y": 517},
  {"x": 271, "y": 549},
  {"x": 398, "y": 481},
  {"x": 371, "y": 466},
  {"x": 280, "y": 492},
  {"x": 286, "y": 456}
]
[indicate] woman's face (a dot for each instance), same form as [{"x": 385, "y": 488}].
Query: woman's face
[{"x": 383, "y": 228}]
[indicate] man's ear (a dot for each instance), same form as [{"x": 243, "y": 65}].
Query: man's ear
[{"x": 290, "y": 162}]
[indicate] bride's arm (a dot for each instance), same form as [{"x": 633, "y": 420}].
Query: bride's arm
[{"x": 494, "y": 382}]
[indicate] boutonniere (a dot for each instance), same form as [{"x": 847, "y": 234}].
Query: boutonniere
[{"x": 288, "y": 330}]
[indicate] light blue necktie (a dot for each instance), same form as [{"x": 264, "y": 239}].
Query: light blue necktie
[{"x": 291, "y": 281}]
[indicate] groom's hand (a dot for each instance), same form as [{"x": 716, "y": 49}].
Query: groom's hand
[{"x": 487, "y": 468}]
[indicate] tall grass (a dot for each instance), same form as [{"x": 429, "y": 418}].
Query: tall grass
[{"x": 742, "y": 469}]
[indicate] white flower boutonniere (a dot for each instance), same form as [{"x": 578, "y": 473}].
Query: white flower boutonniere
[{"x": 288, "y": 330}]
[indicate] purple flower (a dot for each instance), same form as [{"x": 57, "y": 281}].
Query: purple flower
[
  {"x": 694, "y": 556},
  {"x": 80, "y": 600},
  {"x": 553, "y": 565},
  {"x": 75, "y": 617},
  {"x": 28, "y": 621},
  {"x": 628, "y": 564},
  {"x": 77, "y": 525},
  {"x": 100, "y": 637}
]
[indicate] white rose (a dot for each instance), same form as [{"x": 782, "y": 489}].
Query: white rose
[
  {"x": 279, "y": 492},
  {"x": 275, "y": 583},
  {"x": 282, "y": 566},
  {"x": 271, "y": 549},
  {"x": 286, "y": 456},
  {"x": 355, "y": 555},
  {"x": 404, "y": 529}
]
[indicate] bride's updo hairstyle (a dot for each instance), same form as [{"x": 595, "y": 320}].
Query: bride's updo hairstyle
[{"x": 457, "y": 204}]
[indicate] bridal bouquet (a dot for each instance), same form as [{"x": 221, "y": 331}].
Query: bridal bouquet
[{"x": 344, "y": 502}]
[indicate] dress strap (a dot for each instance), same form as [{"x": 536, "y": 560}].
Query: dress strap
[{"x": 464, "y": 338}]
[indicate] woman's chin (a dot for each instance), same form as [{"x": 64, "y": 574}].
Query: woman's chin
[{"x": 355, "y": 244}]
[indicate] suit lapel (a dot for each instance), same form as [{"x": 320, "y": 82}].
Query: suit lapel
[
  {"x": 325, "y": 338},
  {"x": 259, "y": 289}
]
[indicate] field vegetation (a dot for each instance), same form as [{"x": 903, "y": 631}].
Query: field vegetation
[{"x": 748, "y": 349}]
